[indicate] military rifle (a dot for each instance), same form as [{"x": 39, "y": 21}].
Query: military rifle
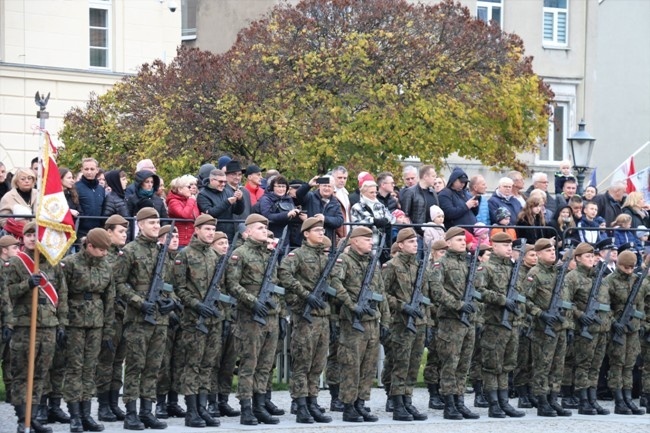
[
  {"x": 268, "y": 288},
  {"x": 512, "y": 292},
  {"x": 557, "y": 303},
  {"x": 629, "y": 312},
  {"x": 158, "y": 281},
  {"x": 417, "y": 298},
  {"x": 214, "y": 294},
  {"x": 593, "y": 305},
  {"x": 470, "y": 292},
  {"x": 322, "y": 289},
  {"x": 367, "y": 298}
]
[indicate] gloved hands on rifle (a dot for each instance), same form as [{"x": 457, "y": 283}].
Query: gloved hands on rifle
[
  {"x": 107, "y": 343},
  {"x": 467, "y": 308},
  {"x": 511, "y": 305},
  {"x": 206, "y": 310},
  {"x": 166, "y": 305},
  {"x": 61, "y": 338},
  {"x": 334, "y": 332},
  {"x": 411, "y": 311},
  {"x": 548, "y": 318},
  {"x": 618, "y": 328},
  {"x": 585, "y": 320},
  {"x": 384, "y": 334},
  {"x": 34, "y": 280},
  {"x": 260, "y": 309},
  {"x": 429, "y": 336},
  {"x": 174, "y": 320},
  {"x": 360, "y": 311},
  {"x": 7, "y": 333},
  {"x": 314, "y": 302},
  {"x": 282, "y": 326},
  {"x": 148, "y": 308}
]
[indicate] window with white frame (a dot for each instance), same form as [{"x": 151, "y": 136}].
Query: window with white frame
[
  {"x": 556, "y": 23},
  {"x": 554, "y": 149},
  {"x": 490, "y": 10},
  {"x": 188, "y": 19},
  {"x": 99, "y": 34}
]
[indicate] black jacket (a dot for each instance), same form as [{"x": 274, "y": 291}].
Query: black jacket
[
  {"x": 91, "y": 201},
  {"x": 139, "y": 201},
  {"x": 414, "y": 204},
  {"x": 115, "y": 201},
  {"x": 453, "y": 203},
  {"x": 608, "y": 208},
  {"x": 313, "y": 204},
  {"x": 216, "y": 204}
]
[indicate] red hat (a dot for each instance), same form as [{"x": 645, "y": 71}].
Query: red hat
[{"x": 364, "y": 176}]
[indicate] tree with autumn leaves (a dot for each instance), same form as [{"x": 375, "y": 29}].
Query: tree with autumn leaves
[{"x": 326, "y": 82}]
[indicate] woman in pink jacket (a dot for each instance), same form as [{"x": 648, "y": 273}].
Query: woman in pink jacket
[{"x": 181, "y": 203}]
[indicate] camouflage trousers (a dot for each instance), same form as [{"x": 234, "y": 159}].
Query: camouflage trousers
[
  {"x": 224, "y": 367},
  {"x": 171, "y": 366},
  {"x": 432, "y": 366},
  {"x": 499, "y": 355},
  {"x": 202, "y": 351},
  {"x": 145, "y": 346},
  {"x": 548, "y": 361},
  {"x": 475, "y": 370},
  {"x": 6, "y": 365},
  {"x": 309, "y": 354},
  {"x": 645, "y": 363},
  {"x": 569, "y": 364},
  {"x": 358, "y": 354},
  {"x": 110, "y": 365},
  {"x": 621, "y": 360},
  {"x": 44, "y": 353},
  {"x": 455, "y": 347},
  {"x": 407, "y": 348},
  {"x": 333, "y": 369},
  {"x": 523, "y": 373},
  {"x": 82, "y": 350},
  {"x": 53, "y": 386},
  {"x": 387, "y": 370},
  {"x": 589, "y": 356},
  {"x": 278, "y": 351},
  {"x": 255, "y": 345}
]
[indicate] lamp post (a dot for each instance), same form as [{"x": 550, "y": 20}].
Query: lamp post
[{"x": 582, "y": 144}]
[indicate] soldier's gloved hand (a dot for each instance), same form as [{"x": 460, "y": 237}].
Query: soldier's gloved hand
[
  {"x": 428, "y": 339},
  {"x": 548, "y": 318},
  {"x": 511, "y": 305},
  {"x": 411, "y": 311},
  {"x": 260, "y": 309},
  {"x": 226, "y": 329},
  {"x": 618, "y": 328},
  {"x": 108, "y": 345},
  {"x": 147, "y": 307},
  {"x": 61, "y": 338},
  {"x": 34, "y": 280},
  {"x": 570, "y": 336},
  {"x": 174, "y": 320},
  {"x": 7, "y": 333},
  {"x": 166, "y": 305},
  {"x": 314, "y": 302},
  {"x": 360, "y": 311},
  {"x": 467, "y": 308},
  {"x": 282, "y": 325},
  {"x": 384, "y": 334},
  {"x": 585, "y": 320},
  {"x": 334, "y": 332},
  {"x": 381, "y": 222},
  {"x": 206, "y": 310}
]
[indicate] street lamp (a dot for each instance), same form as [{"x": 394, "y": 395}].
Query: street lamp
[{"x": 582, "y": 144}]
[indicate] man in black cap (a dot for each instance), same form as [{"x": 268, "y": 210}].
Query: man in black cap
[
  {"x": 220, "y": 203},
  {"x": 459, "y": 206},
  {"x": 234, "y": 173},
  {"x": 604, "y": 248}
]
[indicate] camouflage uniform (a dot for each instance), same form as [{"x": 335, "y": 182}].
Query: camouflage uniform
[
  {"x": 523, "y": 372},
  {"x": 5, "y": 319},
  {"x": 645, "y": 345},
  {"x": 223, "y": 371}
]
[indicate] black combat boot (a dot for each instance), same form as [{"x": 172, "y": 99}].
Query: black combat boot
[
  {"x": 531, "y": 397},
  {"x": 37, "y": 427},
  {"x": 202, "y": 408},
  {"x": 523, "y": 402},
  {"x": 627, "y": 397},
  {"x": 593, "y": 401},
  {"x": 55, "y": 413},
  {"x": 399, "y": 411},
  {"x": 435, "y": 402},
  {"x": 148, "y": 418},
  {"x": 104, "y": 412},
  {"x": 213, "y": 406},
  {"x": 459, "y": 400},
  {"x": 495, "y": 410},
  {"x": 504, "y": 402},
  {"x": 75, "y": 417},
  {"x": 302, "y": 413},
  {"x": 270, "y": 406},
  {"x": 585, "y": 407},
  {"x": 246, "y": 417},
  {"x": 192, "y": 417},
  {"x": 568, "y": 400},
  {"x": 20, "y": 414},
  {"x": 113, "y": 399},
  {"x": 408, "y": 404},
  {"x": 131, "y": 420},
  {"x": 294, "y": 407},
  {"x": 620, "y": 407},
  {"x": 336, "y": 405},
  {"x": 316, "y": 411},
  {"x": 645, "y": 402},
  {"x": 543, "y": 408},
  {"x": 87, "y": 421},
  {"x": 552, "y": 401},
  {"x": 479, "y": 397},
  {"x": 224, "y": 408},
  {"x": 450, "y": 408},
  {"x": 389, "y": 400},
  {"x": 260, "y": 412},
  {"x": 174, "y": 409},
  {"x": 360, "y": 407},
  {"x": 350, "y": 414},
  {"x": 161, "y": 406},
  {"x": 41, "y": 410}
]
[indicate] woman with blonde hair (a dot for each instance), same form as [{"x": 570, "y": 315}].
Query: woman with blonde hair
[
  {"x": 636, "y": 207},
  {"x": 181, "y": 203},
  {"x": 20, "y": 200}
]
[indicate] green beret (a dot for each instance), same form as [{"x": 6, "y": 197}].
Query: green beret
[
  {"x": 501, "y": 238},
  {"x": 165, "y": 229},
  {"x": 439, "y": 245},
  {"x": 219, "y": 235},
  {"x": 204, "y": 219},
  {"x": 146, "y": 213},
  {"x": 7, "y": 241},
  {"x": 116, "y": 220},
  {"x": 626, "y": 258},
  {"x": 99, "y": 238},
  {"x": 583, "y": 248},
  {"x": 256, "y": 218},
  {"x": 543, "y": 244},
  {"x": 30, "y": 227},
  {"x": 310, "y": 223},
  {"x": 361, "y": 231},
  {"x": 406, "y": 233},
  {"x": 453, "y": 232}
]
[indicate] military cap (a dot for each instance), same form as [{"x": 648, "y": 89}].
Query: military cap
[
  {"x": 517, "y": 244},
  {"x": 439, "y": 245},
  {"x": 146, "y": 213},
  {"x": 361, "y": 231},
  {"x": 310, "y": 223},
  {"x": 529, "y": 248},
  {"x": 583, "y": 248},
  {"x": 7, "y": 241},
  {"x": 29, "y": 228},
  {"x": 99, "y": 238},
  {"x": 485, "y": 247},
  {"x": 543, "y": 244},
  {"x": 501, "y": 238},
  {"x": 606, "y": 244},
  {"x": 219, "y": 235},
  {"x": 627, "y": 246},
  {"x": 256, "y": 218},
  {"x": 165, "y": 229},
  {"x": 406, "y": 233},
  {"x": 270, "y": 234},
  {"x": 204, "y": 219},
  {"x": 116, "y": 220},
  {"x": 453, "y": 232},
  {"x": 394, "y": 248},
  {"x": 626, "y": 258},
  {"x": 327, "y": 243}
]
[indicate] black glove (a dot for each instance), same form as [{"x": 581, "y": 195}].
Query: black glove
[
  {"x": 34, "y": 280},
  {"x": 360, "y": 311},
  {"x": 108, "y": 345},
  {"x": 412, "y": 311},
  {"x": 479, "y": 331},
  {"x": 384, "y": 334},
  {"x": 429, "y": 336},
  {"x": 381, "y": 222},
  {"x": 282, "y": 326},
  {"x": 548, "y": 318},
  {"x": 586, "y": 320},
  {"x": 260, "y": 309},
  {"x": 226, "y": 329},
  {"x": 174, "y": 320},
  {"x": 334, "y": 332},
  {"x": 206, "y": 310},
  {"x": 569, "y": 336},
  {"x": 7, "y": 333},
  {"x": 618, "y": 328},
  {"x": 314, "y": 302},
  {"x": 61, "y": 338},
  {"x": 511, "y": 305},
  {"x": 166, "y": 305},
  {"x": 467, "y": 308},
  {"x": 147, "y": 307}
]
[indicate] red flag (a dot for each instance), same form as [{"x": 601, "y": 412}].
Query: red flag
[
  {"x": 630, "y": 173},
  {"x": 56, "y": 232}
]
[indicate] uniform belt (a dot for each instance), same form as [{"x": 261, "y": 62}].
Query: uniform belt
[
  {"x": 251, "y": 286},
  {"x": 85, "y": 296}
]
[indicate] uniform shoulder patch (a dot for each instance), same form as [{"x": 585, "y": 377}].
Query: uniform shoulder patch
[
  {"x": 178, "y": 262},
  {"x": 436, "y": 265},
  {"x": 62, "y": 265},
  {"x": 120, "y": 253},
  {"x": 529, "y": 278},
  {"x": 6, "y": 264},
  {"x": 291, "y": 254},
  {"x": 480, "y": 268},
  {"x": 385, "y": 265},
  {"x": 234, "y": 257},
  {"x": 339, "y": 260}
]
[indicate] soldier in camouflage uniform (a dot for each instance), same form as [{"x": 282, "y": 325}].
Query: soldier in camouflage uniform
[
  {"x": 110, "y": 362},
  {"x": 299, "y": 273},
  {"x": 255, "y": 343},
  {"x": 145, "y": 342},
  {"x": 9, "y": 247},
  {"x": 89, "y": 325},
  {"x": 400, "y": 275},
  {"x": 20, "y": 282},
  {"x": 623, "y": 356},
  {"x": 475, "y": 374},
  {"x": 499, "y": 343},
  {"x": 455, "y": 339},
  {"x": 358, "y": 351},
  {"x": 194, "y": 268},
  {"x": 547, "y": 351},
  {"x": 645, "y": 345}
]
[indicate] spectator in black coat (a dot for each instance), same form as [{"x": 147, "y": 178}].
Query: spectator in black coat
[
  {"x": 417, "y": 199},
  {"x": 146, "y": 184},
  {"x": 91, "y": 197},
  {"x": 219, "y": 202},
  {"x": 459, "y": 206},
  {"x": 115, "y": 201},
  {"x": 321, "y": 204},
  {"x": 503, "y": 197},
  {"x": 610, "y": 202}
]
